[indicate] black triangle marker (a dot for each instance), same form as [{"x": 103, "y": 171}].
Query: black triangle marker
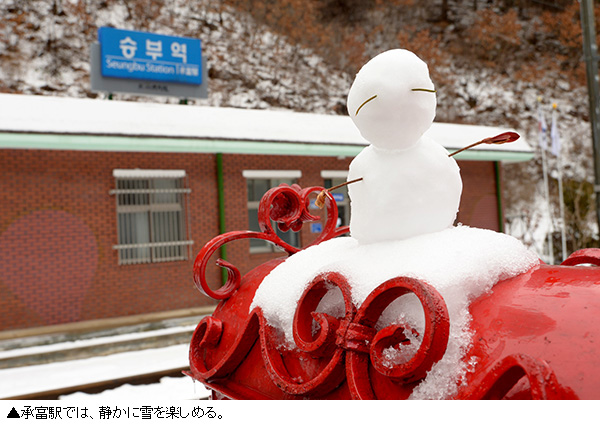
[{"x": 14, "y": 414}]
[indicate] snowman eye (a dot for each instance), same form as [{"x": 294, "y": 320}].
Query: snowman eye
[
  {"x": 427, "y": 90},
  {"x": 364, "y": 103}
]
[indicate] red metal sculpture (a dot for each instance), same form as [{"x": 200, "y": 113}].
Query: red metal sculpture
[{"x": 535, "y": 336}]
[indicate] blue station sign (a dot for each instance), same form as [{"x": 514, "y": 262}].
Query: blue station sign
[{"x": 147, "y": 56}]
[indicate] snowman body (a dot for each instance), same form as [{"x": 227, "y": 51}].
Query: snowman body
[
  {"x": 411, "y": 192},
  {"x": 410, "y": 186}
]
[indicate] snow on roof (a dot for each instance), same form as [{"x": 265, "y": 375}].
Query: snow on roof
[
  {"x": 49, "y": 115},
  {"x": 46, "y": 114}
]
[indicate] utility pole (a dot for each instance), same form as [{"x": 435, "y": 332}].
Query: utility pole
[{"x": 590, "y": 53}]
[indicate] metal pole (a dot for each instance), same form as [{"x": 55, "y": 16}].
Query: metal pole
[
  {"x": 547, "y": 196},
  {"x": 497, "y": 172},
  {"x": 561, "y": 202},
  {"x": 563, "y": 236},
  {"x": 221, "y": 195},
  {"x": 590, "y": 52},
  {"x": 543, "y": 147}
]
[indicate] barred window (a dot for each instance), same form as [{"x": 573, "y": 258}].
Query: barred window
[
  {"x": 258, "y": 182},
  {"x": 151, "y": 216},
  {"x": 333, "y": 178}
]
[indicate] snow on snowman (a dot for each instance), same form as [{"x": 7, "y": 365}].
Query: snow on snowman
[{"x": 405, "y": 195}]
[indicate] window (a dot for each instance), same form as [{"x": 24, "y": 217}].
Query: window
[
  {"x": 333, "y": 178},
  {"x": 151, "y": 216},
  {"x": 258, "y": 183}
]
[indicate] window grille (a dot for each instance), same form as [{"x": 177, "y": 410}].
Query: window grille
[
  {"x": 341, "y": 198},
  {"x": 258, "y": 183},
  {"x": 151, "y": 216}
]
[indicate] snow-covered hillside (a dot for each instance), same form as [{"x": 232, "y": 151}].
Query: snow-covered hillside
[{"x": 45, "y": 50}]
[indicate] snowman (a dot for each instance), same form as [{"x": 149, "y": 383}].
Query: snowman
[{"x": 409, "y": 185}]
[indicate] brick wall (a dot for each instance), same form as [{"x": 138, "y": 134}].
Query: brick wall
[{"x": 58, "y": 227}]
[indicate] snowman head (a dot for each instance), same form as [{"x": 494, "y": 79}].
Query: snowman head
[{"x": 392, "y": 100}]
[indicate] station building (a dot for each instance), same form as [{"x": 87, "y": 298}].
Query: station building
[{"x": 105, "y": 204}]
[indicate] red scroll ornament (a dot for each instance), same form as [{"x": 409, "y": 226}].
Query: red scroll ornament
[
  {"x": 341, "y": 351},
  {"x": 285, "y": 205},
  {"x": 239, "y": 355}
]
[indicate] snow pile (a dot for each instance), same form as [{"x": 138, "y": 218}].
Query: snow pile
[{"x": 462, "y": 263}]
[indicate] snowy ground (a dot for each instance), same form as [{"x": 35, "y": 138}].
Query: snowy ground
[
  {"x": 169, "y": 388},
  {"x": 33, "y": 379}
]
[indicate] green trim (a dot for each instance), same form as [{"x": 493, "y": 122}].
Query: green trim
[
  {"x": 499, "y": 196},
  {"x": 221, "y": 192},
  {"x": 183, "y": 145},
  {"x": 173, "y": 145},
  {"x": 491, "y": 155}
]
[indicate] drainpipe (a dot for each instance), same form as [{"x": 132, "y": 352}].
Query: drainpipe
[
  {"x": 221, "y": 194},
  {"x": 499, "y": 196}
]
